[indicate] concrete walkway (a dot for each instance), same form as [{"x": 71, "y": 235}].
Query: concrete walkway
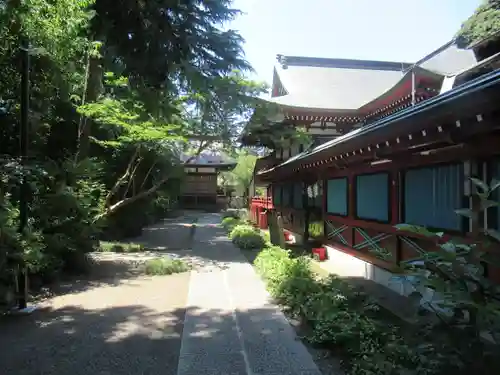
[{"x": 231, "y": 327}]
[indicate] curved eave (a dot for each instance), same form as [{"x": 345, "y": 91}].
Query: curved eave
[
  {"x": 400, "y": 87},
  {"x": 384, "y": 98},
  {"x": 459, "y": 102},
  {"x": 225, "y": 166}
]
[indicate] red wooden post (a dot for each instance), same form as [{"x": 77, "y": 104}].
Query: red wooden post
[{"x": 351, "y": 196}]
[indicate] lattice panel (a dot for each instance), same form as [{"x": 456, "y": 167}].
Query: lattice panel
[
  {"x": 413, "y": 249},
  {"x": 368, "y": 242},
  {"x": 338, "y": 232}
]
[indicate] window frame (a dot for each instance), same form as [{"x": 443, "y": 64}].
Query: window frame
[
  {"x": 464, "y": 223},
  {"x": 388, "y": 192},
  {"x": 325, "y": 192},
  {"x": 274, "y": 186}
]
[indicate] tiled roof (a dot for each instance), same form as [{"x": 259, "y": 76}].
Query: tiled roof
[
  {"x": 448, "y": 60},
  {"x": 209, "y": 158},
  {"x": 335, "y": 83},
  {"x": 467, "y": 91}
]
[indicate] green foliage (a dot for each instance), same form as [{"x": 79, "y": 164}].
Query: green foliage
[
  {"x": 484, "y": 23},
  {"x": 316, "y": 229},
  {"x": 219, "y": 110},
  {"x": 182, "y": 45},
  {"x": 113, "y": 102},
  {"x": 126, "y": 117},
  {"x": 268, "y": 128},
  {"x": 241, "y": 176},
  {"x": 229, "y": 223},
  {"x": 267, "y": 237},
  {"x": 465, "y": 302},
  {"x": 119, "y": 247},
  {"x": 345, "y": 320},
  {"x": 241, "y": 214},
  {"x": 465, "y": 298},
  {"x": 340, "y": 316},
  {"x": 247, "y": 237},
  {"x": 165, "y": 266}
]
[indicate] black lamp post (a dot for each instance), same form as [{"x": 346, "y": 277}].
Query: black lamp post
[{"x": 22, "y": 279}]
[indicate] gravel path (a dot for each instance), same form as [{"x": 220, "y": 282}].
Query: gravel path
[{"x": 116, "y": 322}]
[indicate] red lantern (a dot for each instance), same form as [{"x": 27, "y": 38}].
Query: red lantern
[
  {"x": 288, "y": 236},
  {"x": 319, "y": 253}
]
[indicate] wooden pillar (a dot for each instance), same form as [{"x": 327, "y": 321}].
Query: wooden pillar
[
  {"x": 305, "y": 207},
  {"x": 324, "y": 184},
  {"x": 351, "y": 196},
  {"x": 395, "y": 197}
]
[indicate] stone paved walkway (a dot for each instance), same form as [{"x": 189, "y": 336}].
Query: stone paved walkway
[
  {"x": 218, "y": 319},
  {"x": 231, "y": 327}
]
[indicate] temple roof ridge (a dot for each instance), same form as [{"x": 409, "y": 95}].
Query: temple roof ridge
[{"x": 344, "y": 63}]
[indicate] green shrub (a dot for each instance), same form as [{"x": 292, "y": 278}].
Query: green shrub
[
  {"x": 267, "y": 237},
  {"x": 165, "y": 266},
  {"x": 342, "y": 317},
  {"x": 119, "y": 247},
  {"x": 247, "y": 237},
  {"x": 231, "y": 213},
  {"x": 229, "y": 223},
  {"x": 241, "y": 214}
]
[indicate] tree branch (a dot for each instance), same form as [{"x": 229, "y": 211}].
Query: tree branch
[
  {"x": 123, "y": 178},
  {"x": 109, "y": 209},
  {"x": 131, "y": 178},
  {"x": 147, "y": 174}
]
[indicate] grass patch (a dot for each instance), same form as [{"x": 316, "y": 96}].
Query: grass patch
[
  {"x": 121, "y": 247},
  {"x": 165, "y": 266}
]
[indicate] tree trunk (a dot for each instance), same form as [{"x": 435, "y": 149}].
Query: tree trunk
[
  {"x": 143, "y": 194},
  {"x": 92, "y": 92}
]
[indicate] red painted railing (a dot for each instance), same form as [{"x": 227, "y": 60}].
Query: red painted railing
[
  {"x": 265, "y": 202},
  {"x": 258, "y": 207}
]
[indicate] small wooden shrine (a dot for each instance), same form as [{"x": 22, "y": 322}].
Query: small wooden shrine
[{"x": 200, "y": 185}]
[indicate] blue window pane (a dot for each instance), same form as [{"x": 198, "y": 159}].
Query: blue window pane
[
  {"x": 431, "y": 196},
  {"x": 372, "y": 196},
  {"x": 337, "y": 196}
]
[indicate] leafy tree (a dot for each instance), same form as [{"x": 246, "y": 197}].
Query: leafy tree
[
  {"x": 207, "y": 116},
  {"x": 220, "y": 111},
  {"x": 164, "y": 49},
  {"x": 241, "y": 176},
  {"x": 268, "y": 128},
  {"x": 482, "y": 24},
  {"x": 117, "y": 92}
]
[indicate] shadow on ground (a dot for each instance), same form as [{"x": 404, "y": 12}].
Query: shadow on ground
[
  {"x": 171, "y": 237},
  {"x": 206, "y": 247},
  {"x": 120, "y": 340}
]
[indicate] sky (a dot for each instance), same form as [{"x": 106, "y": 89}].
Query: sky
[{"x": 387, "y": 30}]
